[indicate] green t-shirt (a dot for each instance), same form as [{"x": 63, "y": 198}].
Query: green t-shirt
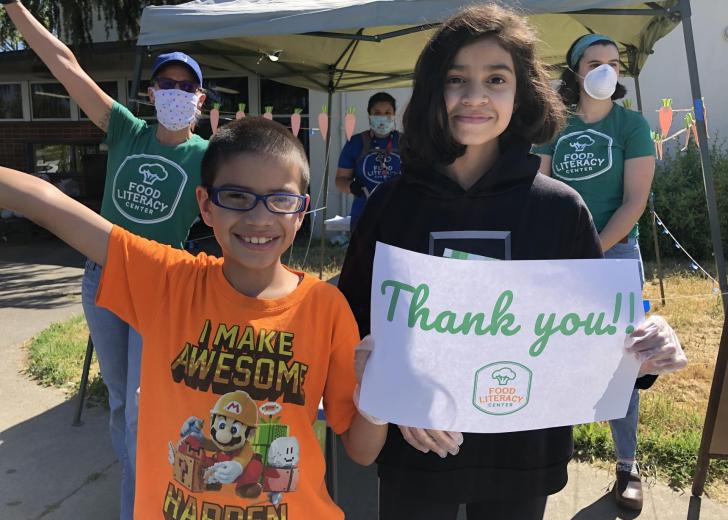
[
  {"x": 150, "y": 187},
  {"x": 590, "y": 157}
]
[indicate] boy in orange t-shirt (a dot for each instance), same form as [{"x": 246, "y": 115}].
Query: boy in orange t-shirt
[{"x": 238, "y": 351}]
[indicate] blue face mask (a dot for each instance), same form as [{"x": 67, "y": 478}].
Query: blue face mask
[{"x": 381, "y": 125}]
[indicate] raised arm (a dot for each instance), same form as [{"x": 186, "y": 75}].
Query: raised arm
[
  {"x": 63, "y": 65},
  {"x": 47, "y": 206}
]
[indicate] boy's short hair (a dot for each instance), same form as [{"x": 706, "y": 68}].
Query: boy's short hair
[
  {"x": 381, "y": 97},
  {"x": 255, "y": 135}
]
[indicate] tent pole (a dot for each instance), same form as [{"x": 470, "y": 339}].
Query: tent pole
[
  {"x": 711, "y": 413},
  {"x": 638, "y": 93},
  {"x": 138, "y": 59},
  {"x": 325, "y": 186},
  {"x": 684, "y": 7},
  {"x": 657, "y": 247}
]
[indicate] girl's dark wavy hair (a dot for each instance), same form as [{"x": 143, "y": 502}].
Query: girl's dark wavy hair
[
  {"x": 539, "y": 114},
  {"x": 569, "y": 89}
]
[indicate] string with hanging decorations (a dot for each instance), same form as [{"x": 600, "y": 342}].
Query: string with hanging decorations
[
  {"x": 219, "y": 117},
  {"x": 666, "y": 117},
  {"x": 666, "y": 114},
  {"x": 694, "y": 265}
]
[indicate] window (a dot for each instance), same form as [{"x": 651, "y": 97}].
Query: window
[
  {"x": 50, "y": 101},
  {"x": 283, "y": 99},
  {"x": 11, "y": 101},
  {"x": 144, "y": 107},
  {"x": 54, "y": 160},
  {"x": 229, "y": 92},
  {"x": 110, "y": 87},
  {"x": 76, "y": 169}
]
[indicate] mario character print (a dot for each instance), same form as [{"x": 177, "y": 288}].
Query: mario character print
[{"x": 226, "y": 456}]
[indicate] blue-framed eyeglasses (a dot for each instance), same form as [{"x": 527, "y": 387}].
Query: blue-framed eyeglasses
[{"x": 238, "y": 199}]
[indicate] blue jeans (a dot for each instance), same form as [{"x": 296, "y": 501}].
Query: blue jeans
[
  {"x": 119, "y": 351},
  {"x": 624, "y": 431}
]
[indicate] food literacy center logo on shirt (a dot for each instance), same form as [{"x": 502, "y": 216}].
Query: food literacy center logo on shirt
[
  {"x": 147, "y": 188},
  {"x": 582, "y": 155},
  {"x": 502, "y": 388},
  {"x": 379, "y": 166}
]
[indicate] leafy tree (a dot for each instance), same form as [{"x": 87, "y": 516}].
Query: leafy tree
[{"x": 72, "y": 19}]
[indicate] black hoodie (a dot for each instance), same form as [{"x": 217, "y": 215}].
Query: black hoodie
[{"x": 528, "y": 217}]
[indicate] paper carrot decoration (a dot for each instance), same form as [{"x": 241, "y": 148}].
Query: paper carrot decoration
[
  {"x": 215, "y": 117},
  {"x": 694, "y": 129},
  {"x": 688, "y": 127},
  {"x": 241, "y": 111},
  {"x": 268, "y": 114},
  {"x": 349, "y": 122},
  {"x": 705, "y": 117},
  {"x": 296, "y": 121},
  {"x": 323, "y": 121},
  {"x": 665, "y": 115},
  {"x": 657, "y": 138},
  {"x": 688, "y": 123}
]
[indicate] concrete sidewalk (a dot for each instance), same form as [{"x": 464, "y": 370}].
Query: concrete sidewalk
[{"x": 53, "y": 471}]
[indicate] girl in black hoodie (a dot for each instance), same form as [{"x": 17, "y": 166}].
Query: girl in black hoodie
[{"x": 480, "y": 98}]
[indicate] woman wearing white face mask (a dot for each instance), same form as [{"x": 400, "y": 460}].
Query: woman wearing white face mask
[
  {"x": 152, "y": 173},
  {"x": 607, "y": 155},
  {"x": 370, "y": 157}
]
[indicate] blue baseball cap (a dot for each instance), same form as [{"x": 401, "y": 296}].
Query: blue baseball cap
[{"x": 177, "y": 57}]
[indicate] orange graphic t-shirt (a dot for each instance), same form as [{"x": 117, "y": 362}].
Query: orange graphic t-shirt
[{"x": 230, "y": 386}]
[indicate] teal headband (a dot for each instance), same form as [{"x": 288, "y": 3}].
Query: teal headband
[{"x": 583, "y": 43}]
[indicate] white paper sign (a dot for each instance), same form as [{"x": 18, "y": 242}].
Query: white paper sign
[{"x": 499, "y": 346}]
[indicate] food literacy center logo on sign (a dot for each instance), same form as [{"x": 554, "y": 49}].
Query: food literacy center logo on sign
[
  {"x": 147, "y": 188},
  {"x": 502, "y": 388},
  {"x": 582, "y": 155}
]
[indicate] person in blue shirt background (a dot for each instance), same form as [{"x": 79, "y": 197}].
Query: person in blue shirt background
[{"x": 370, "y": 157}]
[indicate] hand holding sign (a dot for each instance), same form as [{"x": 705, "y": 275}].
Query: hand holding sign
[
  {"x": 439, "y": 442},
  {"x": 361, "y": 355},
  {"x": 657, "y": 347}
]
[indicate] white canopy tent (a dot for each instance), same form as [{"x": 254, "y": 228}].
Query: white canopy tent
[
  {"x": 358, "y": 44},
  {"x": 333, "y": 45}
]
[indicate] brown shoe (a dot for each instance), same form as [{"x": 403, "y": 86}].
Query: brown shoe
[{"x": 628, "y": 491}]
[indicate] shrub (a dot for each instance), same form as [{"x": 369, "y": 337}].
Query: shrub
[{"x": 681, "y": 203}]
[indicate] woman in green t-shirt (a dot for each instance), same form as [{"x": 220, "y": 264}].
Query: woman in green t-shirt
[{"x": 607, "y": 155}]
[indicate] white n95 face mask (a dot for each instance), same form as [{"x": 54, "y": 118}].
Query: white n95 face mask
[
  {"x": 601, "y": 82},
  {"x": 176, "y": 109}
]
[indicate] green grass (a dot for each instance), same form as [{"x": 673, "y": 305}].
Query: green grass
[
  {"x": 55, "y": 358},
  {"x": 668, "y": 441}
]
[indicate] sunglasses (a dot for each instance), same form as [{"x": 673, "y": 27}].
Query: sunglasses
[
  {"x": 168, "y": 83},
  {"x": 237, "y": 199}
]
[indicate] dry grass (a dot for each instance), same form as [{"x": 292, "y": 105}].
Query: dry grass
[
  {"x": 307, "y": 257},
  {"x": 679, "y": 401},
  {"x": 696, "y": 313}
]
